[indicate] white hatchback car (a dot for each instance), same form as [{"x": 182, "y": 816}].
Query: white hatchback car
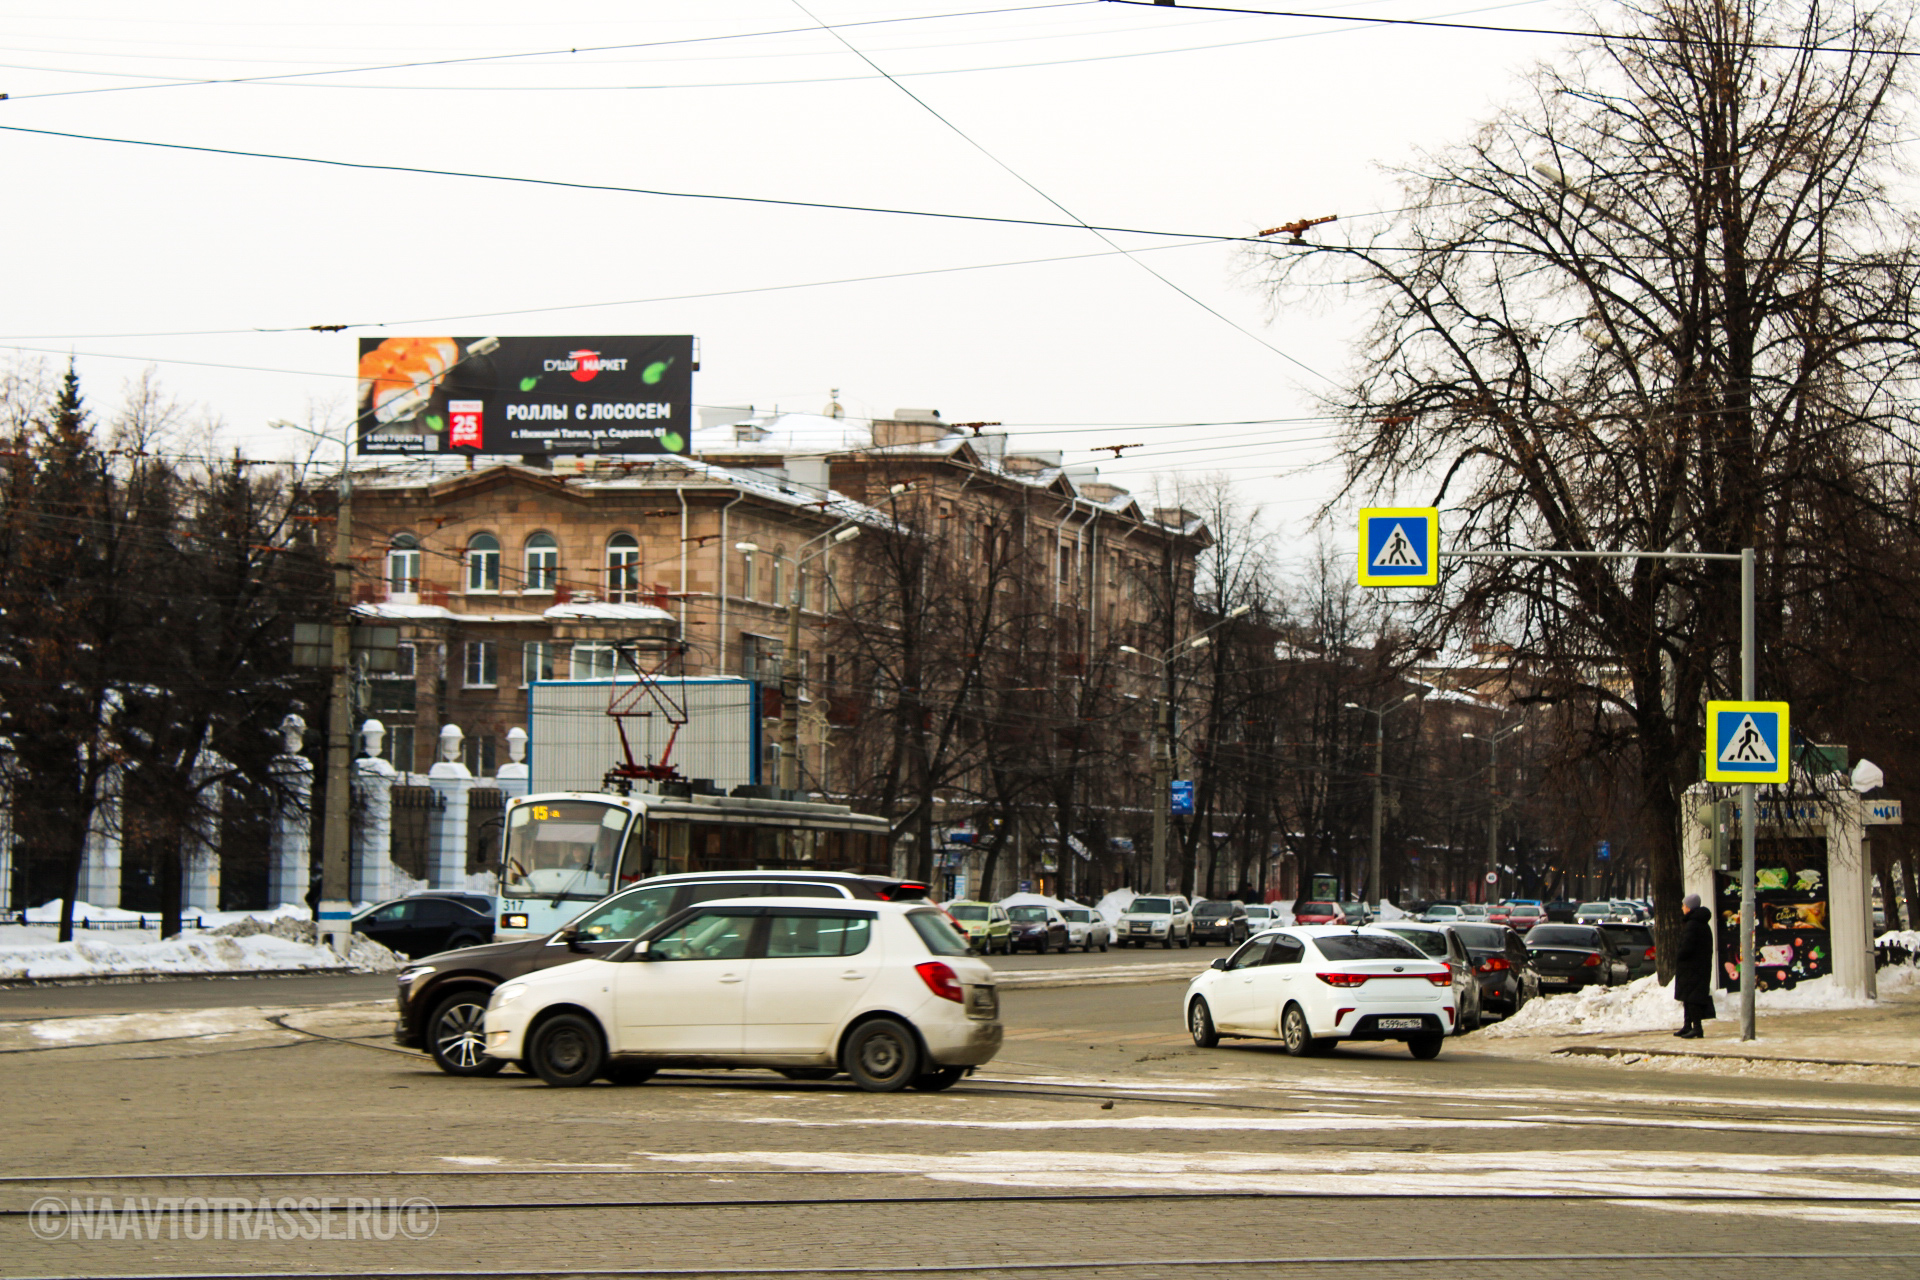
[
  {"x": 1086, "y": 928},
  {"x": 1314, "y": 985},
  {"x": 887, "y": 992}
]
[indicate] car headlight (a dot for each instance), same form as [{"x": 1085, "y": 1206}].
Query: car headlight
[
  {"x": 509, "y": 993},
  {"x": 516, "y": 920},
  {"x": 407, "y": 977},
  {"x": 1159, "y": 926}
]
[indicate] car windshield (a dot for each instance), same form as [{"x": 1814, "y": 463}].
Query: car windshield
[
  {"x": 1595, "y": 909},
  {"x": 1628, "y": 937},
  {"x": 1433, "y": 942},
  {"x": 1443, "y": 911},
  {"x": 1485, "y": 937},
  {"x": 1150, "y": 907},
  {"x": 968, "y": 912},
  {"x": 1213, "y": 909},
  {"x": 1316, "y": 908},
  {"x": 1028, "y": 914},
  {"x": 941, "y": 938},
  {"x": 563, "y": 849},
  {"x": 1258, "y": 913},
  {"x": 1078, "y": 917},
  {"x": 1561, "y": 935},
  {"x": 1366, "y": 946}
]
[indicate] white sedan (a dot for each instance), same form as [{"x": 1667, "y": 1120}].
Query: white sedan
[
  {"x": 1085, "y": 929},
  {"x": 1312, "y": 986},
  {"x": 887, "y": 992}
]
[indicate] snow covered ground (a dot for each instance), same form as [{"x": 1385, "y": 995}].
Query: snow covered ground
[
  {"x": 230, "y": 942},
  {"x": 1646, "y": 1005}
]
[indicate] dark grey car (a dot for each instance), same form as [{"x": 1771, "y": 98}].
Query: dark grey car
[
  {"x": 1502, "y": 965},
  {"x": 1222, "y": 922},
  {"x": 1632, "y": 943},
  {"x": 1573, "y": 956}
]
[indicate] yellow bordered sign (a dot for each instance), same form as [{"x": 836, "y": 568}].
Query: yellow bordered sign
[
  {"x": 1399, "y": 546},
  {"x": 1747, "y": 741}
]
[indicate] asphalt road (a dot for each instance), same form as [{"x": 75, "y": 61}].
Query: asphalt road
[{"x": 1100, "y": 1140}]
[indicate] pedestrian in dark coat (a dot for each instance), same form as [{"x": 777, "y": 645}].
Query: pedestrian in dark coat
[{"x": 1693, "y": 968}]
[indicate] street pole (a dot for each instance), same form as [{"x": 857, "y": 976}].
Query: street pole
[
  {"x": 1162, "y": 797},
  {"x": 1493, "y": 816},
  {"x": 336, "y": 907},
  {"x": 1374, "y": 896},
  {"x": 1748, "y": 818},
  {"x": 790, "y": 693}
]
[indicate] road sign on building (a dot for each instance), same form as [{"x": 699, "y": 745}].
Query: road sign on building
[
  {"x": 1399, "y": 546},
  {"x": 1747, "y": 741}
]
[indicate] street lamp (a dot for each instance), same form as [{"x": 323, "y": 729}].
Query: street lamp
[
  {"x": 790, "y": 656},
  {"x": 1493, "y": 742},
  {"x": 1379, "y": 715},
  {"x": 1162, "y": 751}
]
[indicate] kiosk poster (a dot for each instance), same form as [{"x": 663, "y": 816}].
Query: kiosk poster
[
  {"x": 1791, "y": 940},
  {"x": 525, "y": 395}
]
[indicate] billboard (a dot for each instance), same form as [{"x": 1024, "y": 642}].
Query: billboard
[
  {"x": 572, "y": 742},
  {"x": 525, "y": 395}
]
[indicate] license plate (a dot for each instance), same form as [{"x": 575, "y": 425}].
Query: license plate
[
  {"x": 1400, "y": 1024},
  {"x": 1550, "y": 980},
  {"x": 984, "y": 1002}
]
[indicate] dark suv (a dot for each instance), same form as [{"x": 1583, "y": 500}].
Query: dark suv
[
  {"x": 1223, "y": 922},
  {"x": 424, "y": 923},
  {"x": 443, "y": 1003}
]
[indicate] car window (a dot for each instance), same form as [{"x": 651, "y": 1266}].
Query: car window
[
  {"x": 1561, "y": 935},
  {"x": 1077, "y": 917},
  {"x": 1253, "y": 953},
  {"x": 1149, "y": 907},
  {"x": 394, "y": 913},
  {"x": 967, "y": 912},
  {"x": 817, "y": 935},
  {"x": 1434, "y": 944},
  {"x": 805, "y": 889},
  {"x": 627, "y": 915},
  {"x": 941, "y": 938},
  {"x": 1214, "y": 909},
  {"x": 705, "y": 937},
  {"x": 1488, "y": 937},
  {"x": 1287, "y": 949},
  {"x": 1367, "y": 946},
  {"x": 1027, "y": 913},
  {"x": 433, "y": 911}
]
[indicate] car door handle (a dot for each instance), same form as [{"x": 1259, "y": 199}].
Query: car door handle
[
  {"x": 730, "y": 977},
  {"x": 853, "y": 975}
]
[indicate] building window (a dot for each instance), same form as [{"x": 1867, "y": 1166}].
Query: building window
[
  {"x": 392, "y": 692},
  {"x": 779, "y": 576},
  {"x": 536, "y": 661},
  {"x": 403, "y": 565},
  {"x": 543, "y": 563},
  {"x": 750, "y": 575},
  {"x": 478, "y": 754},
  {"x": 760, "y": 658},
  {"x": 623, "y": 568},
  {"x": 592, "y": 662},
  {"x": 483, "y": 664},
  {"x": 397, "y": 747},
  {"x": 483, "y": 563}
]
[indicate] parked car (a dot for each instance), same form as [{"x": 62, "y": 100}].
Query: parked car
[
  {"x": 1086, "y": 928},
  {"x": 1266, "y": 915},
  {"x": 1319, "y": 913},
  {"x": 424, "y": 923},
  {"x": 1037, "y": 928},
  {"x": 1560, "y": 911},
  {"x": 1474, "y": 911},
  {"x": 1633, "y": 944},
  {"x": 1163, "y": 918},
  {"x": 1497, "y": 913},
  {"x": 1312, "y": 987},
  {"x": 985, "y": 924},
  {"x": 886, "y": 992},
  {"x": 1631, "y": 910},
  {"x": 1441, "y": 913},
  {"x": 1222, "y": 922},
  {"x": 1572, "y": 956},
  {"x": 1593, "y": 913},
  {"x": 1502, "y": 965},
  {"x": 1357, "y": 912},
  {"x": 1441, "y": 942},
  {"x": 1524, "y": 913},
  {"x": 443, "y": 1003}
]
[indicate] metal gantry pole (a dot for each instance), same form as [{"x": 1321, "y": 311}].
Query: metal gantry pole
[
  {"x": 336, "y": 907},
  {"x": 1748, "y": 817},
  {"x": 1374, "y": 894},
  {"x": 1162, "y": 797}
]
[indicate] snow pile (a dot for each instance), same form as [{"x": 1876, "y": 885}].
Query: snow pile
[
  {"x": 1113, "y": 904},
  {"x": 1646, "y": 1004},
  {"x": 244, "y": 945}
]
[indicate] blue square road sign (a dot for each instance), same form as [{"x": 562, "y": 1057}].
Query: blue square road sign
[{"x": 1399, "y": 546}]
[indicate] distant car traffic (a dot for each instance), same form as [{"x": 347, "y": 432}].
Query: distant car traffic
[
  {"x": 422, "y": 924},
  {"x": 1086, "y": 928},
  {"x": 1162, "y": 918},
  {"x": 1572, "y": 956},
  {"x": 1312, "y": 987},
  {"x": 1502, "y": 965},
  {"x": 1222, "y": 922},
  {"x": 1266, "y": 915},
  {"x": 1524, "y": 913},
  {"x": 1442, "y": 942},
  {"x": 1319, "y": 913},
  {"x": 886, "y": 992},
  {"x": 1037, "y": 928},
  {"x": 1560, "y": 911},
  {"x": 985, "y": 924},
  {"x": 1356, "y": 912},
  {"x": 1441, "y": 913},
  {"x": 1603, "y": 912}
]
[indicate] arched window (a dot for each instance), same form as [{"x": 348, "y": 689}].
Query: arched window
[
  {"x": 543, "y": 562},
  {"x": 483, "y": 563},
  {"x": 403, "y": 564},
  {"x": 623, "y": 568}
]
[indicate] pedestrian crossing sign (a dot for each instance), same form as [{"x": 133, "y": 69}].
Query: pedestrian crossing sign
[
  {"x": 1746, "y": 742},
  {"x": 1399, "y": 546}
]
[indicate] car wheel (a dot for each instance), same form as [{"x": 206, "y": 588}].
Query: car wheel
[
  {"x": 882, "y": 1056},
  {"x": 1200, "y": 1024},
  {"x": 626, "y": 1073},
  {"x": 940, "y": 1078},
  {"x": 567, "y": 1051},
  {"x": 1103, "y": 948},
  {"x": 1166, "y": 943},
  {"x": 457, "y": 1035},
  {"x": 1295, "y": 1034},
  {"x": 463, "y": 940},
  {"x": 1186, "y": 942},
  {"x": 808, "y": 1073},
  {"x": 1425, "y": 1047}
]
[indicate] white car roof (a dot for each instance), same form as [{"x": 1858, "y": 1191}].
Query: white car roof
[
  {"x": 1423, "y": 926},
  {"x": 836, "y": 904}
]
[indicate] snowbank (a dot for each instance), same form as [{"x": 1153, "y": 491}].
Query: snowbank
[
  {"x": 1646, "y": 1005},
  {"x": 243, "y": 942},
  {"x": 1113, "y": 904}
]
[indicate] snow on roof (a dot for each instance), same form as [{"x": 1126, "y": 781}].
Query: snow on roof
[{"x": 609, "y": 611}]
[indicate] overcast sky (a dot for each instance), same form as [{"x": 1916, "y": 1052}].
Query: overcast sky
[{"x": 1154, "y": 118}]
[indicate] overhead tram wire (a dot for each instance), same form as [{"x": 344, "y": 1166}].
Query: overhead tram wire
[
  {"x": 1099, "y": 232},
  {"x": 1604, "y": 37}
]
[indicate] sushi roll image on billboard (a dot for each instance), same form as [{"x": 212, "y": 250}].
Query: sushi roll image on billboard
[{"x": 525, "y": 395}]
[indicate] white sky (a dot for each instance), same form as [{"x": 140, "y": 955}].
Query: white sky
[{"x": 109, "y": 246}]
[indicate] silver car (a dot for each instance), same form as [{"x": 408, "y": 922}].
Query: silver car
[{"x": 1086, "y": 929}]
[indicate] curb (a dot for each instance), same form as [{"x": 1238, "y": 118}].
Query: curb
[
  {"x": 161, "y": 975},
  {"x": 1621, "y": 1051}
]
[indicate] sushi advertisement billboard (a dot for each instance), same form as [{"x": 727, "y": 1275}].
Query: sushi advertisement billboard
[{"x": 525, "y": 395}]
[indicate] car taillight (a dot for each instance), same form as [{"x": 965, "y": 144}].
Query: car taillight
[
  {"x": 1493, "y": 964},
  {"x": 905, "y": 891},
  {"x": 1342, "y": 979},
  {"x": 1591, "y": 962},
  {"x": 1649, "y": 954},
  {"x": 940, "y": 980},
  {"x": 1444, "y": 978}
]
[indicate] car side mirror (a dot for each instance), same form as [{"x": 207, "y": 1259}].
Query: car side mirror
[
  {"x": 570, "y": 934},
  {"x": 1221, "y": 963},
  {"x": 642, "y": 950}
]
